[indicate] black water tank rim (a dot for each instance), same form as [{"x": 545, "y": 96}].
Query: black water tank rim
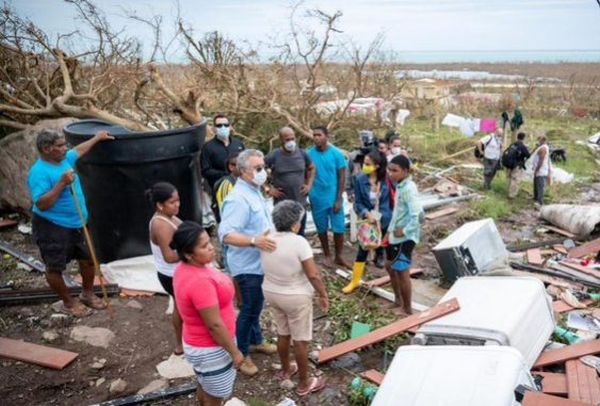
[{"x": 128, "y": 133}]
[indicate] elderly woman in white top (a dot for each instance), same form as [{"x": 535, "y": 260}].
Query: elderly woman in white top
[{"x": 291, "y": 277}]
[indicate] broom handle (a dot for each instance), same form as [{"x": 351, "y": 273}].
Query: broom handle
[{"x": 88, "y": 241}]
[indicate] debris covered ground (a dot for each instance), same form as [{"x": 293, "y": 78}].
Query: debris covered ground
[{"x": 136, "y": 335}]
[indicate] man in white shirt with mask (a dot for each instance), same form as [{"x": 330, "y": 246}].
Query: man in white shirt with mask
[
  {"x": 490, "y": 147},
  {"x": 395, "y": 147},
  {"x": 292, "y": 171}
]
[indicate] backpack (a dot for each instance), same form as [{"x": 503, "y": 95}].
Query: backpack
[
  {"x": 476, "y": 151},
  {"x": 510, "y": 157}
]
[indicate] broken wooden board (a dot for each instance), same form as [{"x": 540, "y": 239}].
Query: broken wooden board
[
  {"x": 534, "y": 257},
  {"x": 560, "y": 306},
  {"x": 553, "y": 384},
  {"x": 441, "y": 213},
  {"x": 588, "y": 271},
  {"x": 5, "y": 223},
  {"x": 586, "y": 249},
  {"x": 560, "y": 249},
  {"x": 541, "y": 399},
  {"x": 36, "y": 354},
  {"x": 582, "y": 382},
  {"x": 567, "y": 353},
  {"x": 418, "y": 307},
  {"x": 373, "y": 375},
  {"x": 561, "y": 232},
  {"x": 135, "y": 293},
  {"x": 384, "y": 280},
  {"x": 397, "y": 327}
]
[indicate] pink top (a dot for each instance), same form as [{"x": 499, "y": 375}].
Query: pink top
[{"x": 199, "y": 288}]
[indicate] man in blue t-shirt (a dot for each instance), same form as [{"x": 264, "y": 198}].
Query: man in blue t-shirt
[
  {"x": 326, "y": 201},
  {"x": 57, "y": 228}
]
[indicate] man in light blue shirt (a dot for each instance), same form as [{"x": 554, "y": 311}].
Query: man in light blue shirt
[
  {"x": 56, "y": 192},
  {"x": 246, "y": 223},
  {"x": 326, "y": 201}
]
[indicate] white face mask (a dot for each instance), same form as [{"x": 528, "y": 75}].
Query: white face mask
[
  {"x": 223, "y": 133},
  {"x": 260, "y": 177},
  {"x": 290, "y": 146},
  {"x": 396, "y": 150}
]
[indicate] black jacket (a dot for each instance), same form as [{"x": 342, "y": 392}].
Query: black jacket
[
  {"x": 213, "y": 157},
  {"x": 523, "y": 153}
]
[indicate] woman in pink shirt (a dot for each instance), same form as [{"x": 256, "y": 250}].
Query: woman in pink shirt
[{"x": 204, "y": 297}]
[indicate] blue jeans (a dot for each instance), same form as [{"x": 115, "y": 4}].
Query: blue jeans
[{"x": 247, "y": 324}]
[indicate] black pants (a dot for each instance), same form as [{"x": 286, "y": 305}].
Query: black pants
[{"x": 539, "y": 185}]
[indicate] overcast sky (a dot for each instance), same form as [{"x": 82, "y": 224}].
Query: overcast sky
[{"x": 413, "y": 25}]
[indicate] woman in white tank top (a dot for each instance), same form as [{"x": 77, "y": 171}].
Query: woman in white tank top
[{"x": 165, "y": 199}]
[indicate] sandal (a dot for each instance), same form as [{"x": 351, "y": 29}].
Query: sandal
[
  {"x": 77, "y": 310},
  {"x": 315, "y": 384},
  {"x": 283, "y": 375},
  {"x": 94, "y": 302}
]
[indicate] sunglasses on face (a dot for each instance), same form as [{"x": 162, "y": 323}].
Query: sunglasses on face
[{"x": 222, "y": 125}]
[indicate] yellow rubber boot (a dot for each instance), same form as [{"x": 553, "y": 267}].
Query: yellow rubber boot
[{"x": 357, "y": 273}]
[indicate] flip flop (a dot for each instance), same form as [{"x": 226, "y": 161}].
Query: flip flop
[
  {"x": 94, "y": 302},
  {"x": 315, "y": 385},
  {"x": 283, "y": 375},
  {"x": 76, "y": 310}
]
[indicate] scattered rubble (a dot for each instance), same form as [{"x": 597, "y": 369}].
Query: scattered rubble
[
  {"x": 175, "y": 367},
  {"x": 96, "y": 336},
  {"x": 154, "y": 386},
  {"x": 117, "y": 386}
]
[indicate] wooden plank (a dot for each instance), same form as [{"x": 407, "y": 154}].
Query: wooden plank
[
  {"x": 373, "y": 375},
  {"x": 5, "y": 223},
  {"x": 36, "y": 354},
  {"x": 561, "y": 232},
  {"x": 541, "y": 399},
  {"x": 384, "y": 280},
  {"x": 441, "y": 213},
  {"x": 582, "y": 382},
  {"x": 567, "y": 353},
  {"x": 561, "y": 306},
  {"x": 591, "y": 247},
  {"x": 560, "y": 249},
  {"x": 589, "y": 271},
  {"x": 390, "y": 330},
  {"x": 554, "y": 384},
  {"x": 534, "y": 257}
]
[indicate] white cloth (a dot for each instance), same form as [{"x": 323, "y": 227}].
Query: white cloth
[
  {"x": 545, "y": 167},
  {"x": 469, "y": 127},
  {"x": 162, "y": 266},
  {"x": 283, "y": 267},
  {"x": 452, "y": 120},
  {"x": 492, "y": 148}
]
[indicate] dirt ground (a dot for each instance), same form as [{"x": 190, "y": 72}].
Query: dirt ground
[{"x": 143, "y": 337}]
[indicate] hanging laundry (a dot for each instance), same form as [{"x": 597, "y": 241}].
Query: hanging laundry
[
  {"x": 452, "y": 120},
  {"x": 487, "y": 125}
]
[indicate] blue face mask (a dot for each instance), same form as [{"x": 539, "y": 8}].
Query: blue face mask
[{"x": 223, "y": 133}]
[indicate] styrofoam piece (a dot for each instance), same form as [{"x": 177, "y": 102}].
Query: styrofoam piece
[
  {"x": 498, "y": 310},
  {"x": 453, "y": 375},
  {"x": 137, "y": 273},
  {"x": 474, "y": 248}
]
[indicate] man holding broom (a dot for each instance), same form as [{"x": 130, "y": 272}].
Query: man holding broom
[{"x": 57, "y": 220}]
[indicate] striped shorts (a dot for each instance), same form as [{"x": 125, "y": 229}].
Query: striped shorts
[{"x": 214, "y": 369}]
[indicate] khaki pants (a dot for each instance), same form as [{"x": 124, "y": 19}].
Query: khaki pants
[{"x": 514, "y": 178}]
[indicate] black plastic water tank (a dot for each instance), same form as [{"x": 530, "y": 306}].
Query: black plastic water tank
[{"x": 115, "y": 174}]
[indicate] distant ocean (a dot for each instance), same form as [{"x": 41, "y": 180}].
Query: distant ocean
[{"x": 499, "y": 56}]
